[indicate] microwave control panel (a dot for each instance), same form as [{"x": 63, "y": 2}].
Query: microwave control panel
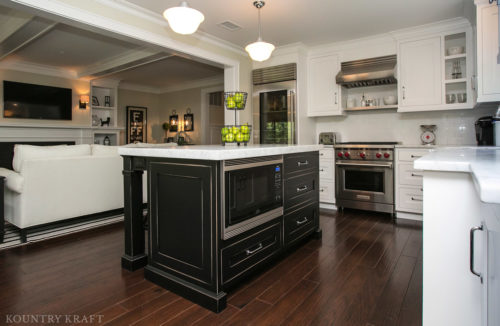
[{"x": 278, "y": 181}]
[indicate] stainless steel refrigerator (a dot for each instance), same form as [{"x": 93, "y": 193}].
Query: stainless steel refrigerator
[{"x": 274, "y": 104}]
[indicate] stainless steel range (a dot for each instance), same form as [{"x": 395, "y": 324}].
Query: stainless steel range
[{"x": 365, "y": 176}]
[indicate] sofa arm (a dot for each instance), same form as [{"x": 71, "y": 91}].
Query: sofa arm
[{"x": 13, "y": 180}]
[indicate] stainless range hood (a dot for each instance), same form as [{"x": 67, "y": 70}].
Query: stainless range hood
[{"x": 368, "y": 72}]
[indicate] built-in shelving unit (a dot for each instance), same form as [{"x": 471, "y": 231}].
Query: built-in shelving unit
[
  {"x": 376, "y": 93},
  {"x": 453, "y": 84},
  {"x": 104, "y": 98}
]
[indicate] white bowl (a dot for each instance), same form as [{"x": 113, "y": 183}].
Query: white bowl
[
  {"x": 390, "y": 100},
  {"x": 455, "y": 50}
]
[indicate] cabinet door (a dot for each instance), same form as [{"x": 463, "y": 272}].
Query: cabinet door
[
  {"x": 420, "y": 68},
  {"x": 487, "y": 47},
  {"x": 186, "y": 247},
  {"x": 323, "y": 91}
]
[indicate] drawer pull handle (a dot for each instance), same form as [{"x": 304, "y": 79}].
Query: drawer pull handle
[
  {"x": 304, "y": 220},
  {"x": 416, "y": 199},
  {"x": 251, "y": 252},
  {"x": 415, "y": 156},
  {"x": 471, "y": 253},
  {"x": 321, "y": 154},
  {"x": 322, "y": 189},
  {"x": 417, "y": 175},
  {"x": 303, "y": 188},
  {"x": 321, "y": 170},
  {"x": 421, "y": 189},
  {"x": 302, "y": 163}
]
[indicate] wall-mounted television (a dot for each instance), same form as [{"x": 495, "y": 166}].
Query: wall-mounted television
[{"x": 29, "y": 101}]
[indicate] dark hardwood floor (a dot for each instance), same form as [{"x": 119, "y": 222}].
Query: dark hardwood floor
[{"x": 366, "y": 270}]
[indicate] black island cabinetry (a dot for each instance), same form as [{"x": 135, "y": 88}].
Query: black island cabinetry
[{"x": 192, "y": 249}]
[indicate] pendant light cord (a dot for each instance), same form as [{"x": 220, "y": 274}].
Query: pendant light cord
[{"x": 260, "y": 36}]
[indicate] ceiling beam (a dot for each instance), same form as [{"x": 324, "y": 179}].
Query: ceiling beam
[
  {"x": 131, "y": 59},
  {"x": 11, "y": 21},
  {"x": 28, "y": 32}
]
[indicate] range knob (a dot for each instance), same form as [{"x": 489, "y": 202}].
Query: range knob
[
  {"x": 347, "y": 154},
  {"x": 362, "y": 154},
  {"x": 387, "y": 155},
  {"x": 378, "y": 155},
  {"x": 340, "y": 154}
]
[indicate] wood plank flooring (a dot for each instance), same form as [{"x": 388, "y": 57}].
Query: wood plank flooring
[{"x": 367, "y": 270}]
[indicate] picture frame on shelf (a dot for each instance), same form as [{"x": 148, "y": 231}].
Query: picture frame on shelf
[
  {"x": 107, "y": 101},
  {"x": 95, "y": 101},
  {"x": 136, "y": 124}
]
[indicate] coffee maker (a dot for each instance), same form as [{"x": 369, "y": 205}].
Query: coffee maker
[{"x": 484, "y": 131}]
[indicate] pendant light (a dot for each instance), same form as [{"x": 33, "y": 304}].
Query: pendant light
[
  {"x": 260, "y": 50},
  {"x": 183, "y": 19}
]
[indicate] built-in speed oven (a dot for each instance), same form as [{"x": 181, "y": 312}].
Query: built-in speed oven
[{"x": 253, "y": 193}]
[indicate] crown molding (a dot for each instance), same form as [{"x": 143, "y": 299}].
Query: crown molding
[
  {"x": 200, "y": 83},
  {"x": 122, "y": 59},
  {"x": 139, "y": 88},
  {"x": 432, "y": 28},
  {"x": 39, "y": 69},
  {"x": 156, "y": 18}
]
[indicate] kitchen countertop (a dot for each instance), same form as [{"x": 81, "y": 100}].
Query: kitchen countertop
[
  {"x": 213, "y": 152},
  {"x": 482, "y": 162}
]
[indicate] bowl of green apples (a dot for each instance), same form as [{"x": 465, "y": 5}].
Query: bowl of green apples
[{"x": 239, "y": 134}]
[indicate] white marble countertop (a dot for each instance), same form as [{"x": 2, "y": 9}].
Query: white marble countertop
[
  {"x": 213, "y": 152},
  {"x": 482, "y": 162}
]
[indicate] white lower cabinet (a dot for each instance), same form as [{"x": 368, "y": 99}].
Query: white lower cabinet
[
  {"x": 408, "y": 183},
  {"x": 326, "y": 177}
]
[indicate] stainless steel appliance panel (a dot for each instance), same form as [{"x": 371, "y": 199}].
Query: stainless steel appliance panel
[{"x": 274, "y": 113}]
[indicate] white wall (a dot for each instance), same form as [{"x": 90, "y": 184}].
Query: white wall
[
  {"x": 453, "y": 127},
  {"x": 79, "y": 87},
  {"x": 149, "y": 100}
]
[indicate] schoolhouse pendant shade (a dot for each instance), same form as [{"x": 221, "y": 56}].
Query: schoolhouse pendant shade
[
  {"x": 183, "y": 19},
  {"x": 260, "y": 50}
]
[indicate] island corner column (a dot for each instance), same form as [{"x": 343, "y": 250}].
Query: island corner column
[{"x": 134, "y": 256}]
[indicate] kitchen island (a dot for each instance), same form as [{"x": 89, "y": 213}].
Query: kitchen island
[
  {"x": 461, "y": 236},
  {"x": 217, "y": 214}
]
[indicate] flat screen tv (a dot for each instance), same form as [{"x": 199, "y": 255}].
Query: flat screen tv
[{"x": 29, "y": 101}]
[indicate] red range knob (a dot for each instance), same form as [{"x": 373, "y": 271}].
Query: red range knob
[
  {"x": 340, "y": 154},
  {"x": 378, "y": 155},
  {"x": 347, "y": 154},
  {"x": 362, "y": 155},
  {"x": 387, "y": 155}
]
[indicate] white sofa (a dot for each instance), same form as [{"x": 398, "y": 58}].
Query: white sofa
[{"x": 53, "y": 183}]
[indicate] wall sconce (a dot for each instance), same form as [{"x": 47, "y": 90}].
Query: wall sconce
[
  {"x": 84, "y": 100},
  {"x": 174, "y": 121},
  {"x": 188, "y": 121}
]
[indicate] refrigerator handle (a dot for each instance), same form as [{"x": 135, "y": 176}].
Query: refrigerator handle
[{"x": 292, "y": 115}]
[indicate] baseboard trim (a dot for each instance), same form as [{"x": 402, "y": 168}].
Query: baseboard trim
[{"x": 409, "y": 216}]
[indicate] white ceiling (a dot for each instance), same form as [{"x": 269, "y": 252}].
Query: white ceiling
[
  {"x": 79, "y": 53},
  {"x": 314, "y": 21},
  {"x": 71, "y": 48},
  {"x": 168, "y": 73}
]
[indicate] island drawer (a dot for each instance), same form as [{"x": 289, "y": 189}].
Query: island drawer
[
  {"x": 300, "y": 163},
  {"x": 301, "y": 188},
  {"x": 243, "y": 255},
  {"x": 300, "y": 223}
]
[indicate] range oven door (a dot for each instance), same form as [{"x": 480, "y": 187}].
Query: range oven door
[
  {"x": 365, "y": 181},
  {"x": 253, "y": 195}
]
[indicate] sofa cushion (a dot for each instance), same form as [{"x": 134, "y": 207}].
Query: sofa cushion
[
  {"x": 104, "y": 150},
  {"x": 13, "y": 180},
  {"x": 29, "y": 152}
]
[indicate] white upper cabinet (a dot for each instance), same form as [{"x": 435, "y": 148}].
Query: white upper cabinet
[
  {"x": 435, "y": 68},
  {"x": 323, "y": 92},
  {"x": 488, "y": 70},
  {"x": 420, "y": 72}
]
